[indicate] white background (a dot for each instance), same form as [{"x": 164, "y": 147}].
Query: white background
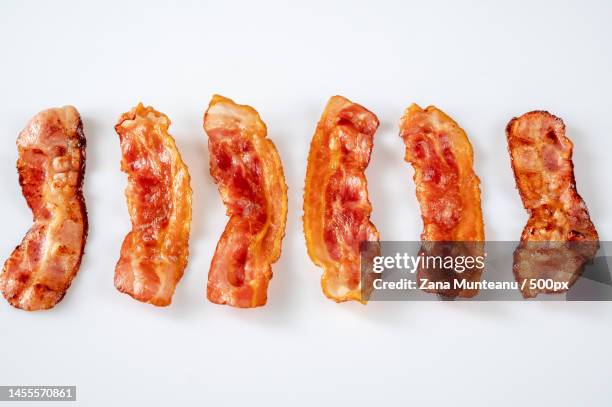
[{"x": 481, "y": 62}]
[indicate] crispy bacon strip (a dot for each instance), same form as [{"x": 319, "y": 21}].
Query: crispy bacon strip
[
  {"x": 336, "y": 205},
  {"x": 154, "y": 254},
  {"x": 51, "y": 166},
  {"x": 247, "y": 168},
  {"x": 447, "y": 189},
  {"x": 559, "y": 238}
]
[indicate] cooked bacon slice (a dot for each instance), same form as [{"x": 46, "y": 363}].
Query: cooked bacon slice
[
  {"x": 51, "y": 166},
  {"x": 559, "y": 238},
  {"x": 247, "y": 168},
  {"x": 447, "y": 189},
  {"x": 336, "y": 205},
  {"x": 154, "y": 254}
]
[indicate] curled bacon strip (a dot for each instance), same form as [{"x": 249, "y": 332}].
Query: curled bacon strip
[
  {"x": 247, "y": 168},
  {"x": 559, "y": 238},
  {"x": 447, "y": 189},
  {"x": 154, "y": 254},
  {"x": 51, "y": 166},
  {"x": 336, "y": 205}
]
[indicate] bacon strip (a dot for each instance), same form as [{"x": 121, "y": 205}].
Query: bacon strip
[
  {"x": 51, "y": 167},
  {"x": 154, "y": 254},
  {"x": 542, "y": 163},
  {"x": 336, "y": 206},
  {"x": 447, "y": 189},
  {"x": 247, "y": 168}
]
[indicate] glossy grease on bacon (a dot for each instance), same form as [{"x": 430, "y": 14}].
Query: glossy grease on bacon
[
  {"x": 155, "y": 253},
  {"x": 248, "y": 171},
  {"x": 336, "y": 205},
  {"x": 559, "y": 237},
  {"x": 51, "y": 167},
  {"x": 448, "y": 191}
]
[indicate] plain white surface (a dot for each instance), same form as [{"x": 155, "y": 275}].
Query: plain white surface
[{"x": 480, "y": 62}]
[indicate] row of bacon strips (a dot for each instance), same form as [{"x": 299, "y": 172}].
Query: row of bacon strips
[{"x": 248, "y": 171}]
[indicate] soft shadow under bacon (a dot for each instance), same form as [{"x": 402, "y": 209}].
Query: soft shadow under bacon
[
  {"x": 559, "y": 238},
  {"x": 51, "y": 167},
  {"x": 448, "y": 192},
  {"x": 336, "y": 206},
  {"x": 154, "y": 254},
  {"x": 247, "y": 168}
]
